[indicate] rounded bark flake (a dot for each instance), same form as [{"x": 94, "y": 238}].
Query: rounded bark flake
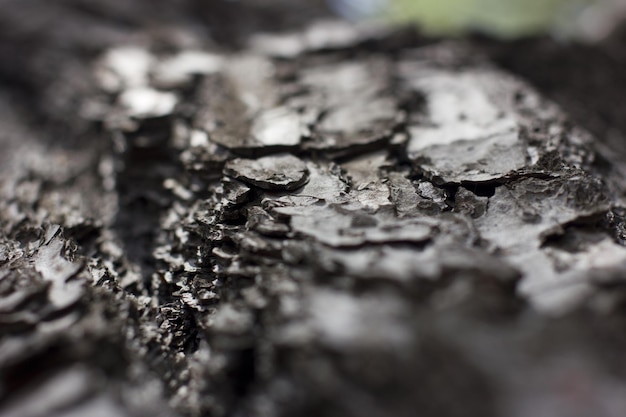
[{"x": 277, "y": 173}]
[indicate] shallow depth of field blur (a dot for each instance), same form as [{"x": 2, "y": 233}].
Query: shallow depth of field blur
[{"x": 584, "y": 19}]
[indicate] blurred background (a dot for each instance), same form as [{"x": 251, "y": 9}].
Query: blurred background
[
  {"x": 572, "y": 50},
  {"x": 580, "y": 19}
]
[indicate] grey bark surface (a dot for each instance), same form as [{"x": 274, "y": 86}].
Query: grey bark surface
[{"x": 338, "y": 220}]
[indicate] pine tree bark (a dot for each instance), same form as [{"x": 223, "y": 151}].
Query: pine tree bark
[{"x": 331, "y": 220}]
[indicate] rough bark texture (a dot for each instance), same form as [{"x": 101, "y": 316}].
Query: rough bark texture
[{"x": 337, "y": 221}]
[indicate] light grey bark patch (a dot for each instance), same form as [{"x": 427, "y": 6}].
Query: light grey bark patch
[
  {"x": 58, "y": 271},
  {"x": 409, "y": 265},
  {"x": 179, "y": 69},
  {"x": 473, "y": 129},
  {"x": 325, "y": 35},
  {"x": 264, "y": 223},
  {"x": 536, "y": 208},
  {"x": 146, "y": 103},
  {"x": 337, "y": 226},
  {"x": 354, "y": 104},
  {"x": 469, "y": 203},
  {"x": 279, "y": 126},
  {"x": 241, "y": 108},
  {"x": 280, "y": 172}
]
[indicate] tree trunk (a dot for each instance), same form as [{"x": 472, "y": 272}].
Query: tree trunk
[{"x": 333, "y": 220}]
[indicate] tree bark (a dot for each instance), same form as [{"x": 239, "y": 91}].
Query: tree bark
[{"x": 332, "y": 220}]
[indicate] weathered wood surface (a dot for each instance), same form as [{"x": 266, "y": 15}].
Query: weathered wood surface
[{"x": 338, "y": 221}]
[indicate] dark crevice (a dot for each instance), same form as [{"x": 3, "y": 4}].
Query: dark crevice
[
  {"x": 481, "y": 189},
  {"x": 142, "y": 197},
  {"x": 578, "y": 235}
]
